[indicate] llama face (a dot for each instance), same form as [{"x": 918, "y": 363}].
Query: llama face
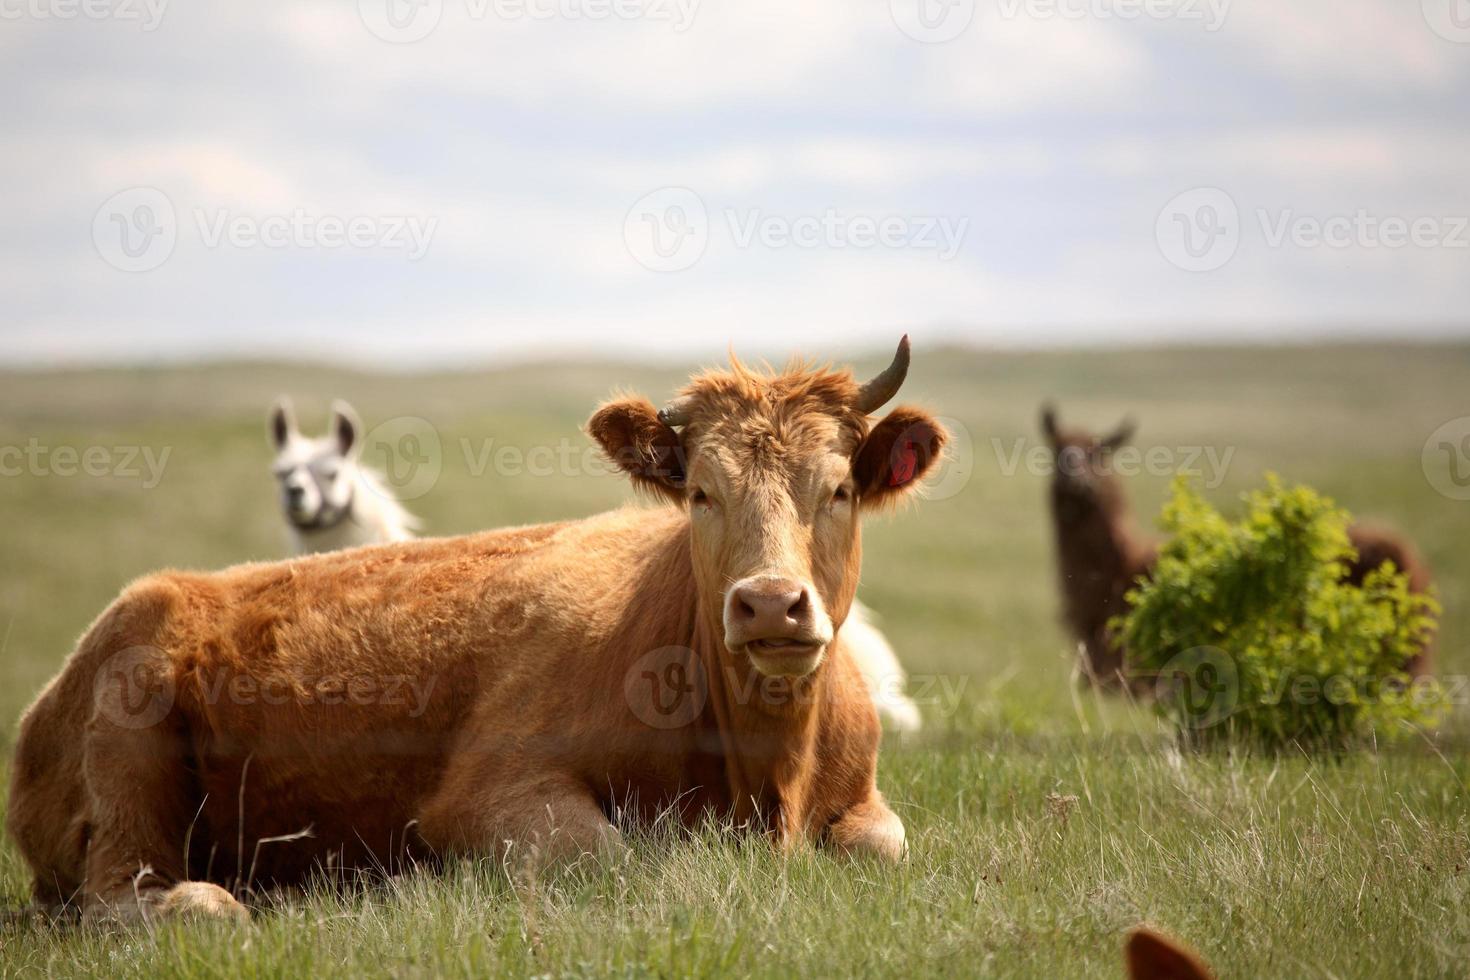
[
  {"x": 1082, "y": 470},
  {"x": 316, "y": 476}
]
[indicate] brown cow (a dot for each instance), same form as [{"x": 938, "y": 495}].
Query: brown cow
[
  {"x": 515, "y": 689},
  {"x": 1101, "y": 553}
]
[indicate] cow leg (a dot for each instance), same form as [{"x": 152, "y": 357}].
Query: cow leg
[
  {"x": 141, "y": 804},
  {"x": 550, "y": 817},
  {"x": 869, "y": 829}
]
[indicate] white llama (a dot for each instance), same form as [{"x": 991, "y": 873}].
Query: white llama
[{"x": 330, "y": 501}]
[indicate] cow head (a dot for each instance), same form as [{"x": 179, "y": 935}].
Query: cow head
[
  {"x": 317, "y": 476},
  {"x": 774, "y": 469},
  {"x": 1082, "y": 474}
]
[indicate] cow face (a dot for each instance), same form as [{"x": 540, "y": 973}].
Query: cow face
[
  {"x": 774, "y": 470},
  {"x": 316, "y": 476},
  {"x": 1082, "y": 474}
]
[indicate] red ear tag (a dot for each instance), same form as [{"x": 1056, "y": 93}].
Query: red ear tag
[{"x": 904, "y": 466}]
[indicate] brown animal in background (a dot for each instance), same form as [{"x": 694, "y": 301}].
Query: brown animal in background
[
  {"x": 1101, "y": 553},
  {"x": 510, "y": 692}
]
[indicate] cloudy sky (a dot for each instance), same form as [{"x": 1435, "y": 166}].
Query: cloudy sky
[{"x": 403, "y": 182}]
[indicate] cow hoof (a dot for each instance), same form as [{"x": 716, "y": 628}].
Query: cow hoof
[{"x": 200, "y": 900}]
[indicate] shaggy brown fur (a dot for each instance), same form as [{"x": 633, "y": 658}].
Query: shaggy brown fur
[
  {"x": 1101, "y": 553},
  {"x": 483, "y": 694}
]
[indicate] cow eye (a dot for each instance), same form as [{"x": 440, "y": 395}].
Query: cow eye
[
  {"x": 840, "y": 494},
  {"x": 699, "y": 497}
]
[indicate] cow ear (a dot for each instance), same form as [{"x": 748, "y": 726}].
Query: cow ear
[
  {"x": 897, "y": 454},
  {"x": 282, "y": 423},
  {"x": 346, "y": 429},
  {"x": 636, "y": 441},
  {"x": 1153, "y": 956}
]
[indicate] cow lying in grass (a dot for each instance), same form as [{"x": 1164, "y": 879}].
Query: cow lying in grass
[
  {"x": 505, "y": 692},
  {"x": 1101, "y": 553},
  {"x": 331, "y": 501}
]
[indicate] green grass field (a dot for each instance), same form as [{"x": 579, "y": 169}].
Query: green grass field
[{"x": 1273, "y": 866}]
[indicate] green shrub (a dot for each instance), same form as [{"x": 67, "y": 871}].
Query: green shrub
[{"x": 1250, "y": 631}]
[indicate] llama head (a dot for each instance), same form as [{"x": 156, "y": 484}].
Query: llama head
[
  {"x": 317, "y": 476},
  {"x": 1083, "y": 476}
]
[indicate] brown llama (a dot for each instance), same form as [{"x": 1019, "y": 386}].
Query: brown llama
[{"x": 1101, "y": 552}]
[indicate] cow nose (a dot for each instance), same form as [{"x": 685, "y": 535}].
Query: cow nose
[
  {"x": 294, "y": 493},
  {"x": 771, "y": 609}
]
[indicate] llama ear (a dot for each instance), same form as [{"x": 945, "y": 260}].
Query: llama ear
[
  {"x": 282, "y": 424},
  {"x": 1122, "y": 435},
  {"x": 346, "y": 429},
  {"x": 639, "y": 443},
  {"x": 897, "y": 454},
  {"x": 1152, "y": 956},
  {"x": 1049, "y": 426}
]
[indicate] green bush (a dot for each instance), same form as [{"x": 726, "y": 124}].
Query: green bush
[{"x": 1251, "y": 633}]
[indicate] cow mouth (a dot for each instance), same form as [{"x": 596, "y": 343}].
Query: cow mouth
[{"x": 785, "y": 657}]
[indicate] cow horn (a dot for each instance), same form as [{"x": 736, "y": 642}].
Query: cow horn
[
  {"x": 876, "y": 393},
  {"x": 675, "y": 413}
]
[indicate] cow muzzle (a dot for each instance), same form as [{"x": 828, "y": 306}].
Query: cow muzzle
[{"x": 778, "y": 623}]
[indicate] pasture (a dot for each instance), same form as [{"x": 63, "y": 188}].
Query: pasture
[{"x": 1042, "y": 822}]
